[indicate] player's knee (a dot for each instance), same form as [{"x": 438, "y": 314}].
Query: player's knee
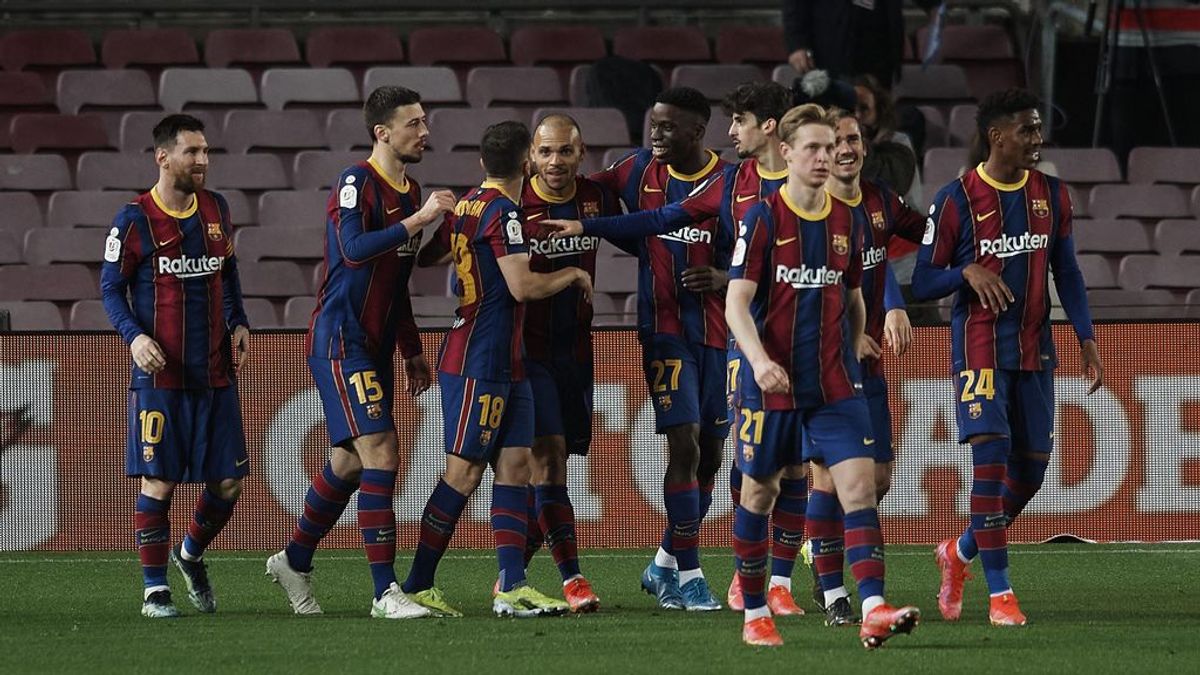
[
  {"x": 759, "y": 495},
  {"x": 157, "y": 488},
  {"x": 857, "y": 492},
  {"x": 549, "y": 461},
  {"x": 228, "y": 489},
  {"x": 462, "y": 475},
  {"x": 706, "y": 469},
  {"x": 821, "y": 478},
  {"x": 378, "y": 451},
  {"x": 883, "y": 485},
  {"x": 512, "y": 466}
]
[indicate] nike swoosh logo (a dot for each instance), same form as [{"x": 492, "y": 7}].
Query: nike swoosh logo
[
  {"x": 164, "y": 243},
  {"x": 744, "y": 198},
  {"x": 984, "y": 216},
  {"x": 868, "y": 441},
  {"x": 391, "y": 211},
  {"x": 387, "y": 532},
  {"x": 534, "y": 216},
  {"x": 785, "y": 242},
  {"x": 241, "y": 461},
  {"x": 647, "y": 188}
]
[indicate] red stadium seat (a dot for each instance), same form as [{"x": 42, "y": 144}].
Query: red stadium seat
[
  {"x": 452, "y": 169},
  {"x": 320, "y": 169},
  {"x": 506, "y": 85},
  {"x": 601, "y": 127},
  {"x": 537, "y": 45},
  {"x": 46, "y": 47},
  {"x": 12, "y": 252},
  {"x": 260, "y": 312},
  {"x": 613, "y": 154},
  {"x": 436, "y": 84},
  {"x": 935, "y": 126},
  {"x": 751, "y": 44},
  {"x": 1139, "y": 272},
  {"x": 962, "y": 124},
  {"x": 1110, "y": 236},
  {"x": 255, "y": 244},
  {"x": 245, "y": 130},
  {"x": 248, "y": 172},
  {"x": 1120, "y": 304},
  {"x": 19, "y": 211},
  {"x": 1164, "y": 165},
  {"x": 1086, "y": 166},
  {"x": 1097, "y": 271},
  {"x": 459, "y": 128},
  {"x": 662, "y": 44},
  {"x": 182, "y": 87},
  {"x": 126, "y": 47},
  {"x": 1138, "y": 201},
  {"x": 293, "y": 209},
  {"x": 56, "y": 245},
  {"x": 282, "y": 87},
  {"x": 455, "y": 44},
  {"x": 297, "y": 311},
  {"x": 34, "y": 172},
  {"x": 135, "y": 172},
  {"x": 104, "y": 88},
  {"x": 1175, "y": 237},
  {"x": 24, "y": 91},
  {"x": 227, "y": 47},
  {"x": 984, "y": 52},
  {"x": 352, "y": 45},
  {"x": 33, "y": 315},
  {"x": 63, "y": 283},
  {"x": 88, "y": 315},
  {"x": 137, "y": 129},
  {"x": 346, "y": 129},
  {"x": 272, "y": 279},
  {"x": 715, "y": 81},
  {"x": 86, "y": 208},
  {"x": 51, "y": 131}
]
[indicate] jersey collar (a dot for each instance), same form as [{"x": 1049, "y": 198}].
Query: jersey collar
[
  {"x": 1005, "y": 187},
  {"x": 688, "y": 178},
  {"x": 848, "y": 202},
  {"x": 806, "y": 215},
  {"x": 770, "y": 175},
  {"x": 498, "y": 186},
  {"x": 402, "y": 189},
  {"x": 545, "y": 196},
  {"x": 186, "y": 213}
]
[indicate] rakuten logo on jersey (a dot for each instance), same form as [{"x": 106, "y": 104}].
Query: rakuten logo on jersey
[
  {"x": 807, "y": 277},
  {"x": 558, "y": 248},
  {"x": 688, "y": 235},
  {"x": 185, "y": 267},
  {"x": 1005, "y": 246},
  {"x": 408, "y": 248},
  {"x": 873, "y": 257}
]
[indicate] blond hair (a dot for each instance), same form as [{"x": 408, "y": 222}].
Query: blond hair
[{"x": 809, "y": 113}]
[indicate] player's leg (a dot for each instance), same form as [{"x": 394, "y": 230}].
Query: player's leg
[
  {"x": 155, "y": 453},
  {"x": 715, "y": 413},
  {"x": 881, "y": 426},
  {"x": 152, "y": 533},
  {"x": 787, "y": 533},
  {"x": 534, "y": 537},
  {"x": 557, "y": 520},
  {"x": 827, "y": 541},
  {"x": 1032, "y": 424}
]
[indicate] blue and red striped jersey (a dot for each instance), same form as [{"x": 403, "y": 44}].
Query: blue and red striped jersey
[
  {"x": 880, "y": 214},
  {"x": 664, "y": 305},
  {"x": 173, "y": 276},
  {"x": 363, "y": 306},
  {"x": 560, "y": 327},
  {"x": 485, "y": 341},
  {"x": 1012, "y": 230},
  {"x": 803, "y": 264}
]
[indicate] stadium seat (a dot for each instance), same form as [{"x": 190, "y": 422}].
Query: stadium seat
[
  {"x": 434, "y": 311},
  {"x": 225, "y": 47},
  {"x": 248, "y": 172},
  {"x": 63, "y": 283},
  {"x": 1175, "y": 237},
  {"x": 346, "y": 129},
  {"x": 1097, "y": 271},
  {"x": 437, "y": 84},
  {"x": 1164, "y": 165},
  {"x": 88, "y": 315},
  {"x": 282, "y": 87},
  {"x": 293, "y": 209},
  {"x": 352, "y": 45},
  {"x": 241, "y": 211},
  {"x": 297, "y": 311},
  {"x": 604, "y": 308},
  {"x": 630, "y": 306},
  {"x": 298, "y": 244},
  {"x": 57, "y": 245},
  {"x": 104, "y": 88},
  {"x": 46, "y": 47},
  {"x": 19, "y": 211},
  {"x": 1110, "y": 236},
  {"x": 32, "y": 132},
  {"x": 455, "y": 44},
  {"x": 137, "y": 129},
  {"x": 116, "y": 171},
  {"x": 34, "y": 172},
  {"x": 132, "y": 47},
  {"x": 181, "y": 87},
  {"x": 662, "y": 44},
  {"x": 272, "y": 279},
  {"x": 612, "y": 155},
  {"x": 935, "y": 126},
  {"x": 984, "y": 52},
  {"x": 577, "y": 94},
  {"x": 12, "y": 251},
  {"x": 33, "y": 315},
  {"x": 507, "y": 85},
  {"x": 962, "y": 124},
  {"x": 601, "y": 127},
  {"x": 86, "y": 208},
  {"x": 751, "y": 44},
  {"x": 942, "y": 165},
  {"x": 1192, "y": 304},
  {"x": 24, "y": 91},
  {"x": 537, "y": 45},
  {"x": 456, "y": 170},
  {"x": 617, "y": 275},
  {"x": 1079, "y": 202},
  {"x": 458, "y": 128},
  {"x": 245, "y": 130},
  {"x": 1108, "y": 304},
  {"x": 320, "y": 169},
  {"x": 1139, "y": 272},
  {"x": 1086, "y": 166},
  {"x": 260, "y": 312},
  {"x": 437, "y": 280},
  {"x": 935, "y": 85},
  {"x": 1138, "y": 201},
  {"x": 715, "y": 81}
]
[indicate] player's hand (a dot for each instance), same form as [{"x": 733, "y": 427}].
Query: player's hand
[
  {"x": 801, "y": 60},
  {"x": 147, "y": 354},
  {"x": 897, "y": 331},
  {"x": 241, "y": 344},
  {"x": 868, "y": 348},
  {"x": 705, "y": 279},
  {"x": 1092, "y": 368},
  {"x": 438, "y": 202},
  {"x": 561, "y": 229},
  {"x": 993, "y": 293},
  {"x": 771, "y": 377},
  {"x": 584, "y": 281},
  {"x": 416, "y": 372}
]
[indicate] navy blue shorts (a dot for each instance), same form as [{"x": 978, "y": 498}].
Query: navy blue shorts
[
  {"x": 1014, "y": 403},
  {"x": 186, "y": 435},
  {"x": 562, "y": 401},
  {"x": 875, "y": 390},
  {"x": 356, "y": 394},
  {"x": 687, "y": 384},
  {"x": 769, "y": 440},
  {"x": 482, "y": 416}
]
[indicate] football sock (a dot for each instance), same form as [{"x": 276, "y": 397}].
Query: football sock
[
  {"x": 557, "y": 519},
  {"x": 508, "y": 529},
  {"x": 735, "y": 484},
  {"x": 864, "y": 552},
  {"x": 533, "y": 530},
  {"x": 683, "y": 522},
  {"x": 750, "y": 546},
  {"x": 706, "y": 498},
  {"x": 786, "y": 582},
  {"x": 787, "y": 521},
  {"x": 326, "y": 500},
  {"x": 377, "y": 522},
  {"x": 988, "y": 522},
  {"x": 1021, "y": 482},
  {"x": 152, "y": 532},
  {"x": 824, "y": 524},
  {"x": 210, "y": 517},
  {"x": 441, "y": 514},
  {"x": 665, "y": 560}
]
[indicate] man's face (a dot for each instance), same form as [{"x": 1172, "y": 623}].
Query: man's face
[
  {"x": 865, "y": 108},
  {"x": 810, "y": 154},
  {"x": 749, "y": 137},
  {"x": 674, "y": 134},
  {"x": 1017, "y": 139},
  {"x": 557, "y": 153},
  {"x": 406, "y": 133},
  {"x": 849, "y": 150},
  {"x": 186, "y": 162}
]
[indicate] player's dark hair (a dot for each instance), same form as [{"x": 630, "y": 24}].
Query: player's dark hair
[
  {"x": 764, "y": 100},
  {"x": 686, "y": 98},
  {"x": 504, "y": 147},
  {"x": 167, "y": 130},
  {"x": 381, "y": 105},
  {"x": 1003, "y": 104}
]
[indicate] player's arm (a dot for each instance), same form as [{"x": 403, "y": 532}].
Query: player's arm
[
  {"x": 1072, "y": 292},
  {"x": 231, "y": 292},
  {"x": 527, "y": 285},
  {"x": 122, "y": 255},
  {"x": 856, "y": 307},
  {"x": 358, "y": 245},
  {"x": 703, "y": 203},
  {"x": 408, "y": 337},
  {"x": 437, "y": 251},
  {"x": 750, "y": 261},
  {"x": 941, "y": 269},
  {"x": 897, "y": 329}
]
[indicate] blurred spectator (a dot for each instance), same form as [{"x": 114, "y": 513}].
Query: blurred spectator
[
  {"x": 892, "y": 153},
  {"x": 845, "y": 37}
]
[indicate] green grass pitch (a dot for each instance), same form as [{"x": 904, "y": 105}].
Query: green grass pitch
[{"x": 1113, "y": 608}]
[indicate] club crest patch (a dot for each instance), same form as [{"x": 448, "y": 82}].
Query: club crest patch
[{"x": 841, "y": 244}]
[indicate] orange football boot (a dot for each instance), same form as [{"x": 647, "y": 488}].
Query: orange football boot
[
  {"x": 954, "y": 575},
  {"x": 1004, "y": 610},
  {"x": 761, "y": 633},
  {"x": 734, "y": 596},
  {"x": 779, "y": 599},
  {"x": 579, "y": 595},
  {"x": 885, "y": 621}
]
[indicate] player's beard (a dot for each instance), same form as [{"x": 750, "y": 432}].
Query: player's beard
[{"x": 189, "y": 183}]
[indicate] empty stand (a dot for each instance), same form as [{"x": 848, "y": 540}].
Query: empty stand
[
  {"x": 751, "y": 44},
  {"x": 534, "y": 45},
  {"x": 1120, "y": 304},
  {"x": 662, "y": 44},
  {"x": 63, "y": 283},
  {"x": 1138, "y": 201},
  {"x": 434, "y": 311},
  {"x": 601, "y": 127},
  {"x": 182, "y": 87},
  {"x": 1097, "y": 271},
  {"x": 22, "y": 91},
  {"x": 137, "y": 129},
  {"x": 437, "y": 280},
  {"x": 57, "y": 245},
  {"x": 241, "y": 211},
  {"x": 451, "y": 169},
  {"x": 11, "y": 249},
  {"x": 346, "y": 129},
  {"x": 942, "y": 165},
  {"x": 1164, "y": 165},
  {"x": 126, "y": 47},
  {"x": 116, "y": 171},
  {"x": 613, "y": 154},
  {"x": 457, "y": 128},
  {"x": 715, "y": 81},
  {"x": 34, "y": 172},
  {"x": 88, "y": 315},
  {"x": 352, "y": 45},
  {"x": 86, "y": 208},
  {"x": 248, "y": 172},
  {"x": 19, "y": 211},
  {"x": 272, "y": 279},
  {"x": 37, "y": 315},
  {"x": 1083, "y": 165},
  {"x": 46, "y": 47},
  {"x": 935, "y": 126},
  {"x": 936, "y": 85},
  {"x": 320, "y": 169},
  {"x": 487, "y": 85},
  {"x": 1139, "y": 272},
  {"x": 1116, "y": 236},
  {"x": 78, "y": 89},
  {"x": 225, "y": 47},
  {"x": 282, "y": 87},
  {"x": 255, "y": 244},
  {"x": 455, "y": 44},
  {"x": 984, "y": 52},
  {"x": 616, "y": 275},
  {"x": 1175, "y": 237},
  {"x": 297, "y": 312},
  {"x": 785, "y": 75},
  {"x": 962, "y": 124},
  {"x": 293, "y": 209},
  {"x": 31, "y": 132},
  {"x": 437, "y": 84},
  {"x": 260, "y": 312},
  {"x": 245, "y": 130}
]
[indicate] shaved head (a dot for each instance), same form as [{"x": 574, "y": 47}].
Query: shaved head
[{"x": 557, "y": 151}]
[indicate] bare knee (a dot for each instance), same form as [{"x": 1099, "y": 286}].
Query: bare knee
[
  {"x": 549, "y": 465},
  {"x": 512, "y": 466},
  {"x": 711, "y": 451},
  {"x": 683, "y": 447},
  {"x": 821, "y": 478},
  {"x": 377, "y": 451},
  {"x": 157, "y": 488},
  {"x": 463, "y": 475},
  {"x": 228, "y": 489},
  {"x": 759, "y": 494}
]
